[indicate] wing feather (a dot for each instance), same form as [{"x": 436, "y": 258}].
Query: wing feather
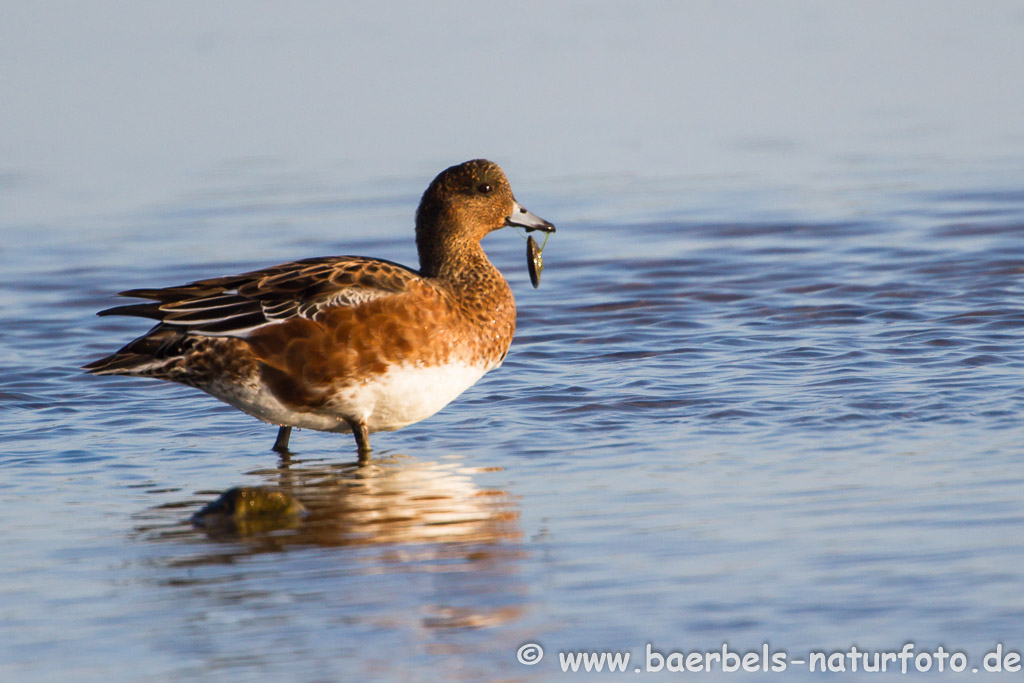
[{"x": 234, "y": 306}]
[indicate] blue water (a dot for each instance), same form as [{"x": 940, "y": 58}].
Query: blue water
[{"x": 769, "y": 392}]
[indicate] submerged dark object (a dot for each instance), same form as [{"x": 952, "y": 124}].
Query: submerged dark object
[{"x": 251, "y": 509}]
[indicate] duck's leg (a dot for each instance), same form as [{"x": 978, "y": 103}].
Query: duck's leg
[
  {"x": 283, "y": 435},
  {"x": 362, "y": 435}
]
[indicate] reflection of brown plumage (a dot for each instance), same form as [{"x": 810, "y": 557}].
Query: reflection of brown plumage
[
  {"x": 397, "y": 500},
  {"x": 401, "y": 501},
  {"x": 393, "y": 515},
  {"x": 345, "y": 344}
]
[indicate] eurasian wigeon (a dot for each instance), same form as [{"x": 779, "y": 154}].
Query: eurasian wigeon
[{"x": 345, "y": 343}]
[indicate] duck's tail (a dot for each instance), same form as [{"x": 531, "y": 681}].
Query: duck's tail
[{"x": 151, "y": 355}]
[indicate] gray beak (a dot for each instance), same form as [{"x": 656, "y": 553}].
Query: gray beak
[{"x": 521, "y": 218}]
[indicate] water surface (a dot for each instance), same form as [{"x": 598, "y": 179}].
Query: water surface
[{"x": 792, "y": 431}]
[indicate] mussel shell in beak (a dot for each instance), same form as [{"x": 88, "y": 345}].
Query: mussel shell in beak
[{"x": 534, "y": 261}]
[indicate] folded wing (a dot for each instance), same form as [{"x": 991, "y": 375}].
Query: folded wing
[{"x": 235, "y": 306}]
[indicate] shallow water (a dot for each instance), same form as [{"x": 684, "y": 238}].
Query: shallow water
[
  {"x": 769, "y": 389},
  {"x": 797, "y": 432}
]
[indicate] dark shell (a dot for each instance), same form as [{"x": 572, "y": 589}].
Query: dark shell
[
  {"x": 248, "y": 510},
  {"x": 534, "y": 261}
]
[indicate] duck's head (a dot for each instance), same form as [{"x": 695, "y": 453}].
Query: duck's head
[{"x": 466, "y": 202}]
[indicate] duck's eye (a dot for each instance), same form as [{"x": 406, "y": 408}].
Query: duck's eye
[{"x": 483, "y": 188}]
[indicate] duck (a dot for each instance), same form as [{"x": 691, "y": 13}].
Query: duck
[{"x": 346, "y": 344}]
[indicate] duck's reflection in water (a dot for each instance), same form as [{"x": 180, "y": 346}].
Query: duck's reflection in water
[
  {"x": 394, "y": 500},
  {"x": 396, "y": 515}
]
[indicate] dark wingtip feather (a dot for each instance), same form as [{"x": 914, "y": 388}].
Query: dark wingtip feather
[
  {"x": 103, "y": 365},
  {"x": 154, "y": 294},
  {"x": 139, "y": 310},
  {"x": 171, "y": 294}
]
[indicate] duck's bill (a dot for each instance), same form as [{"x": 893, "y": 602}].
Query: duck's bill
[{"x": 521, "y": 218}]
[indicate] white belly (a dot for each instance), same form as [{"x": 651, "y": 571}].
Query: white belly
[
  {"x": 404, "y": 395},
  {"x": 399, "y": 397}
]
